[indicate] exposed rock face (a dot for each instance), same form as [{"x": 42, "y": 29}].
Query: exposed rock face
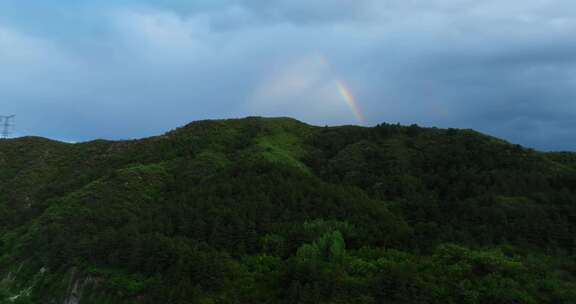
[
  {"x": 78, "y": 285},
  {"x": 74, "y": 294}
]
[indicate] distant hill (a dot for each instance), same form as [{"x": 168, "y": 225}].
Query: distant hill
[{"x": 273, "y": 210}]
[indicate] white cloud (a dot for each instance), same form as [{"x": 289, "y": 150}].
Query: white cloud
[
  {"x": 453, "y": 63},
  {"x": 161, "y": 36},
  {"x": 18, "y": 49},
  {"x": 30, "y": 64}
]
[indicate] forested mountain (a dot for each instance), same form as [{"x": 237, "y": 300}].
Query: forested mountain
[{"x": 272, "y": 210}]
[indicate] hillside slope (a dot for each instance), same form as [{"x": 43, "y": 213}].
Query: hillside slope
[{"x": 272, "y": 210}]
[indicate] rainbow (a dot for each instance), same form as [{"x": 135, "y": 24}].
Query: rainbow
[{"x": 346, "y": 93}]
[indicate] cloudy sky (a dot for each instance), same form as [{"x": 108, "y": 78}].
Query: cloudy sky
[{"x": 83, "y": 69}]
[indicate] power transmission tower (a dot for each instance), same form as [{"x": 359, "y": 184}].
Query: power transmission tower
[{"x": 6, "y": 123}]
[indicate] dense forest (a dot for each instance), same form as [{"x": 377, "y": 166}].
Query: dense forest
[{"x": 272, "y": 210}]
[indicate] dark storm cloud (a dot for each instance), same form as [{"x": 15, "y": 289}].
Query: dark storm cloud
[{"x": 127, "y": 68}]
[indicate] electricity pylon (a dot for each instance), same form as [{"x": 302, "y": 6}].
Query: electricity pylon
[{"x": 6, "y": 123}]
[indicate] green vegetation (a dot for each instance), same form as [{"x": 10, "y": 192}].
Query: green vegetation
[{"x": 262, "y": 210}]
